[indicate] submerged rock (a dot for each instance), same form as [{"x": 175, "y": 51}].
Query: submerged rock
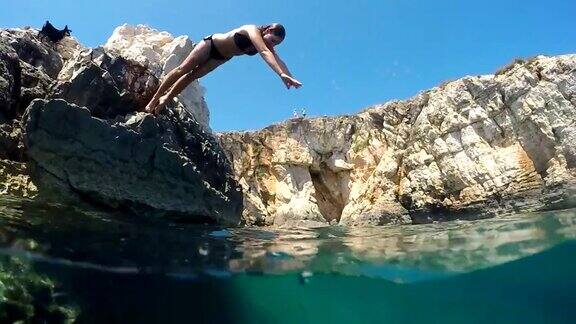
[
  {"x": 165, "y": 167},
  {"x": 28, "y": 297},
  {"x": 474, "y": 147}
]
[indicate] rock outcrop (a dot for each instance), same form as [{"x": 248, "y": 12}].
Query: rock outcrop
[
  {"x": 69, "y": 120},
  {"x": 128, "y": 69},
  {"x": 28, "y": 68},
  {"x": 159, "y": 166},
  {"x": 108, "y": 85},
  {"x": 474, "y": 147},
  {"x": 160, "y": 52}
]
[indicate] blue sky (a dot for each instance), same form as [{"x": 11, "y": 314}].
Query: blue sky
[{"x": 348, "y": 54}]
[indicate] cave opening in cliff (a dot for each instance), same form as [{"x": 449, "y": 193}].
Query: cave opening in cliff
[{"x": 329, "y": 197}]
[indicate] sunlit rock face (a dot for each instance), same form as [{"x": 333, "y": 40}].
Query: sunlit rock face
[
  {"x": 160, "y": 52},
  {"x": 303, "y": 169},
  {"x": 14, "y": 179},
  {"x": 474, "y": 147}
]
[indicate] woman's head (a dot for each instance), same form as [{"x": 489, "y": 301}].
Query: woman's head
[{"x": 273, "y": 34}]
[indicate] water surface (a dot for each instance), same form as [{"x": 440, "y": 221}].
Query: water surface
[{"x": 116, "y": 268}]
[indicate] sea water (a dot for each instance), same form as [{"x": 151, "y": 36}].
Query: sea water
[{"x": 113, "y": 268}]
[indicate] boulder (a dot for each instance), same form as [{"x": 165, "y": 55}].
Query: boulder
[
  {"x": 164, "y": 167},
  {"x": 116, "y": 85}
]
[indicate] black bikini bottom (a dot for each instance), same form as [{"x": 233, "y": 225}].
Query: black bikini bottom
[{"x": 214, "y": 53}]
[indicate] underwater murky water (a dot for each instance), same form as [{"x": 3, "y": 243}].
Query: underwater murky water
[{"x": 114, "y": 268}]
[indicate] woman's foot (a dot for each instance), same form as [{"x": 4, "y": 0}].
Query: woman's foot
[
  {"x": 161, "y": 103},
  {"x": 150, "y": 107}
]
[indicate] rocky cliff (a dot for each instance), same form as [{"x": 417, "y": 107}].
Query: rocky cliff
[
  {"x": 474, "y": 147},
  {"x": 69, "y": 117}
]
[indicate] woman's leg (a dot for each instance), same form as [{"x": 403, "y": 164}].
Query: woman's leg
[
  {"x": 185, "y": 80},
  {"x": 198, "y": 55}
]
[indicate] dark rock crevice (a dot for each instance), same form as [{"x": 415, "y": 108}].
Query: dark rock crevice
[{"x": 329, "y": 200}]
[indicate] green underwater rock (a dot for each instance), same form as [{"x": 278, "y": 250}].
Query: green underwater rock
[{"x": 26, "y": 296}]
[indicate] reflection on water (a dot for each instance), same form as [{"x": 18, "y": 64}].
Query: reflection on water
[{"x": 109, "y": 242}]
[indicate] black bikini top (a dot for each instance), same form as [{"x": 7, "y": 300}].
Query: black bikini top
[{"x": 244, "y": 43}]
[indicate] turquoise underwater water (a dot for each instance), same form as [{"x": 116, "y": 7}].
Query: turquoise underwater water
[{"x": 117, "y": 269}]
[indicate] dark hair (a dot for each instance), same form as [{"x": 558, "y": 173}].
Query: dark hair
[{"x": 277, "y": 30}]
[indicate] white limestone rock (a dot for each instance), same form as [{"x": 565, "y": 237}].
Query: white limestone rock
[
  {"x": 160, "y": 52},
  {"x": 474, "y": 147}
]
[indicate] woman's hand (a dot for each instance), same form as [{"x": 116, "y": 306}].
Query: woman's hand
[{"x": 290, "y": 81}]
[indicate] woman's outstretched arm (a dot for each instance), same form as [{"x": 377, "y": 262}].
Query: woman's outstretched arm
[
  {"x": 288, "y": 79},
  {"x": 281, "y": 63},
  {"x": 271, "y": 58}
]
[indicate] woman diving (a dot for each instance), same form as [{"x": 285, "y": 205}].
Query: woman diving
[{"x": 216, "y": 49}]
